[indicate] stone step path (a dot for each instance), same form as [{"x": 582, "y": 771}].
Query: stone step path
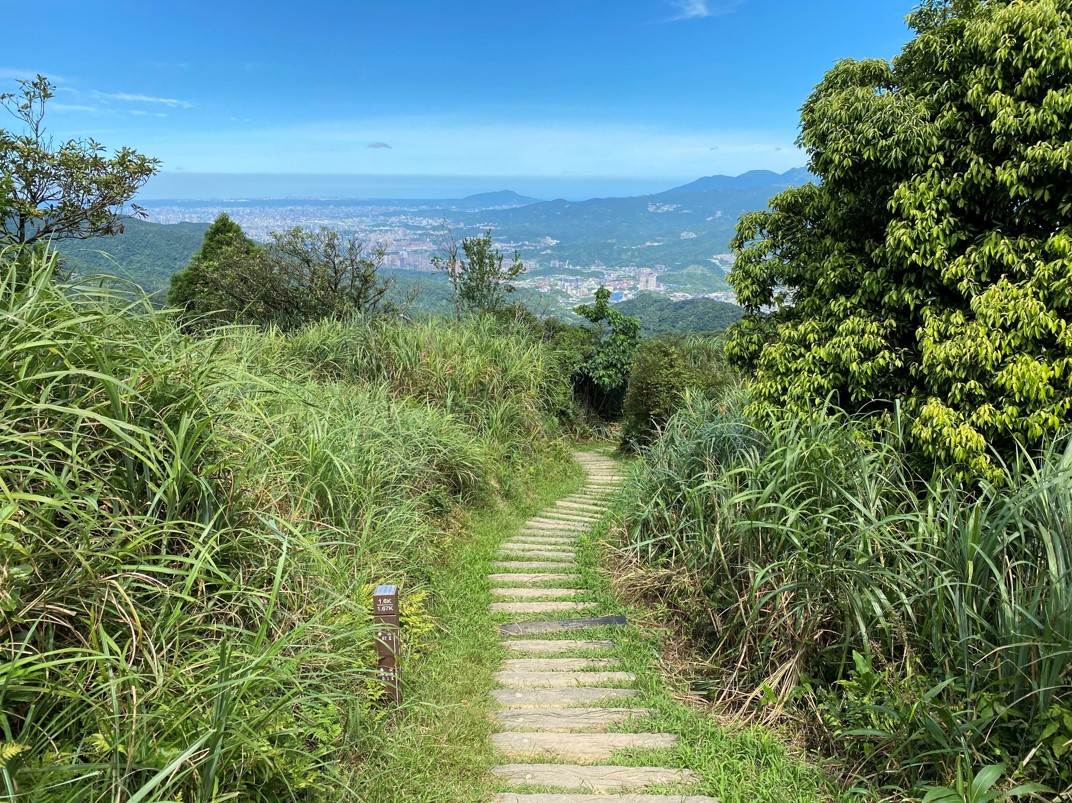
[{"x": 563, "y": 701}]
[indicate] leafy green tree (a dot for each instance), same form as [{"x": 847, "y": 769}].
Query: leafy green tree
[
  {"x": 67, "y": 190},
  {"x": 664, "y": 369},
  {"x": 479, "y": 277},
  {"x": 602, "y": 378},
  {"x": 193, "y": 288},
  {"x": 299, "y": 276},
  {"x": 933, "y": 264}
]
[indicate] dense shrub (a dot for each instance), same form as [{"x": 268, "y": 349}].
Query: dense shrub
[
  {"x": 663, "y": 371},
  {"x": 188, "y": 529},
  {"x": 917, "y": 626}
]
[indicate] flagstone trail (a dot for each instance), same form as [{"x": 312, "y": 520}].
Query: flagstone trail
[{"x": 555, "y": 710}]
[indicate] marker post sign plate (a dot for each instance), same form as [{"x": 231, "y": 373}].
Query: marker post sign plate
[{"x": 385, "y": 615}]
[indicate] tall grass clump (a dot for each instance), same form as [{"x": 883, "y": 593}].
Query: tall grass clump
[
  {"x": 497, "y": 378},
  {"x": 919, "y": 627},
  {"x": 188, "y": 531}
]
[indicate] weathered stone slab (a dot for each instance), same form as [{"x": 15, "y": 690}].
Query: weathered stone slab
[
  {"x": 559, "y": 698},
  {"x": 564, "y": 720},
  {"x": 589, "y": 508},
  {"x": 514, "y": 797},
  {"x": 559, "y": 680},
  {"x": 514, "y": 565},
  {"x": 577, "y": 746},
  {"x": 541, "y": 539},
  {"x": 552, "y": 524},
  {"x": 539, "y": 607},
  {"x": 520, "y": 578},
  {"x": 552, "y": 646},
  {"x": 551, "y": 532},
  {"x": 507, "y": 553},
  {"x": 556, "y": 664},
  {"x": 596, "y": 779},
  {"x": 558, "y": 625},
  {"x": 534, "y": 593}
]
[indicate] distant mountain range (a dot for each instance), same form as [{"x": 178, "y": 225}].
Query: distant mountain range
[
  {"x": 679, "y": 227},
  {"x": 682, "y": 228}
]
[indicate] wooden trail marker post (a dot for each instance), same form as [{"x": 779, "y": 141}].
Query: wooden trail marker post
[{"x": 385, "y": 616}]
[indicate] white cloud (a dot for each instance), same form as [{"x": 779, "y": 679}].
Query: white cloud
[
  {"x": 128, "y": 97},
  {"x": 11, "y": 74},
  {"x": 73, "y": 107},
  {"x": 445, "y": 145},
  {"x": 698, "y": 9},
  {"x": 692, "y": 9},
  {"x": 143, "y": 113}
]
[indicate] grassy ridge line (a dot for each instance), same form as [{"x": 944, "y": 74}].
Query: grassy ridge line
[
  {"x": 189, "y": 529},
  {"x": 439, "y": 746}
]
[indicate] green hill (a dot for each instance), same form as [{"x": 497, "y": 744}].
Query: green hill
[
  {"x": 659, "y": 315},
  {"x": 145, "y": 253}
]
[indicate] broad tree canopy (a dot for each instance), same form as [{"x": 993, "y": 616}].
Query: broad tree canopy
[
  {"x": 71, "y": 189},
  {"x": 933, "y": 263}
]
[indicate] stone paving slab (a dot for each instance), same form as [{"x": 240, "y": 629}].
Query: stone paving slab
[
  {"x": 577, "y": 746},
  {"x": 582, "y": 507},
  {"x": 546, "y": 521},
  {"x": 541, "y": 539},
  {"x": 515, "y": 565},
  {"x": 595, "y": 779},
  {"x": 559, "y": 625},
  {"x": 535, "y": 551},
  {"x": 560, "y": 698},
  {"x": 564, "y": 720},
  {"x": 563, "y": 559},
  {"x": 559, "y": 680},
  {"x": 530, "y": 593},
  {"x": 556, "y": 664},
  {"x": 551, "y": 646},
  {"x": 514, "y": 797},
  {"x": 525, "y": 578},
  {"x": 550, "y": 532},
  {"x": 539, "y": 607}
]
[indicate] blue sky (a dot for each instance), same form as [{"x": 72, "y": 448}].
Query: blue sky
[{"x": 550, "y": 95}]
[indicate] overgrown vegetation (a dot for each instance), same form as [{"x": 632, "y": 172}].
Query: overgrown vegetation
[
  {"x": 664, "y": 371},
  {"x": 921, "y": 627},
  {"x": 189, "y": 528},
  {"x": 298, "y": 277}
]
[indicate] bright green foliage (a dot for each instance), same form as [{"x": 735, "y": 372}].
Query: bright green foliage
[
  {"x": 911, "y": 627},
  {"x": 300, "y": 276},
  {"x": 664, "y": 371},
  {"x": 479, "y": 279},
  {"x": 933, "y": 265},
  {"x": 73, "y": 190},
  {"x": 602, "y": 378}
]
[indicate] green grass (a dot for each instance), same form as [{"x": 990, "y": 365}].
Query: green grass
[
  {"x": 190, "y": 528},
  {"x": 436, "y": 746},
  {"x": 914, "y": 628}
]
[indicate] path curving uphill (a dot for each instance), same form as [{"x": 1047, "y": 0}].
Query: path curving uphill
[{"x": 564, "y": 708}]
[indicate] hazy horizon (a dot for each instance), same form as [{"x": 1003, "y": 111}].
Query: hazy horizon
[{"x": 315, "y": 186}]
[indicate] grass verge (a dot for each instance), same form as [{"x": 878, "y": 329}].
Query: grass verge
[{"x": 436, "y": 746}]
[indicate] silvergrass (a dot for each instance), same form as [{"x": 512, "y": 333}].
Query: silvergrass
[{"x": 912, "y": 623}]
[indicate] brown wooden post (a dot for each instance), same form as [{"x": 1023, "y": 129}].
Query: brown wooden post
[{"x": 385, "y": 615}]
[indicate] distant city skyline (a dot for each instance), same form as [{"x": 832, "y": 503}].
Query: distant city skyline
[{"x": 555, "y": 99}]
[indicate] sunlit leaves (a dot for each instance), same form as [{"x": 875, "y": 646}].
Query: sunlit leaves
[{"x": 933, "y": 262}]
